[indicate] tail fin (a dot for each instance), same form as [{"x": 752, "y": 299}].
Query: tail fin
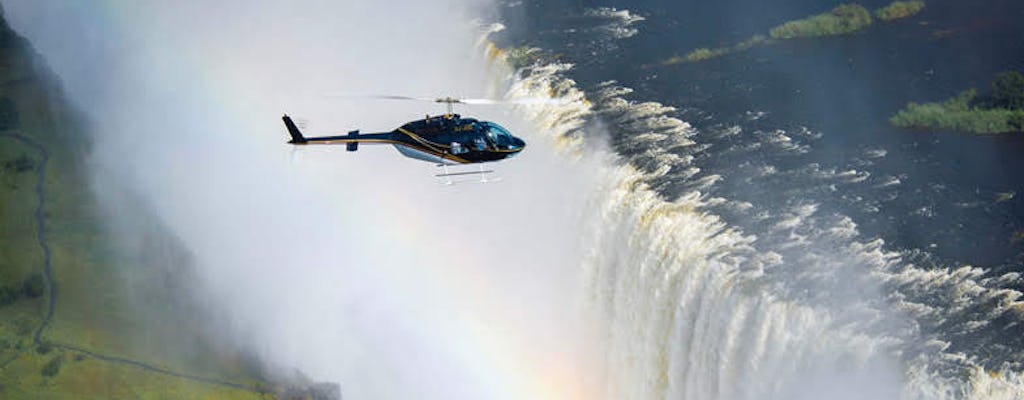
[
  {"x": 293, "y": 130},
  {"x": 353, "y": 146}
]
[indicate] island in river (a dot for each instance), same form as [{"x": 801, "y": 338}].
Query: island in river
[{"x": 1000, "y": 110}]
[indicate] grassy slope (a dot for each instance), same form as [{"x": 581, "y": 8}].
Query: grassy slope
[
  {"x": 19, "y": 256},
  {"x": 92, "y": 311}
]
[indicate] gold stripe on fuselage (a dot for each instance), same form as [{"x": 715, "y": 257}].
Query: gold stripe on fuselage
[
  {"x": 427, "y": 148},
  {"x": 343, "y": 141},
  {"x": 422, "y": 141},
  {"x": 431, "y": 145}
]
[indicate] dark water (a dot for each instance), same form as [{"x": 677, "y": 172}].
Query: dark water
[{"x": 952, "y": 199}]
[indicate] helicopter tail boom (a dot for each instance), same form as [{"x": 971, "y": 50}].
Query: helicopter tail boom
[{"x": 351, "y": 140}]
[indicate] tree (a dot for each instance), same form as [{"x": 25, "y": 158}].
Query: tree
[
  {"x": 1008, "y": 90},
  {"x": 1017, "y": 121},
  {"x": 52, "y": 367},
  {"x": 8, "y": 114},
  {"x": 33, "y": 286}
]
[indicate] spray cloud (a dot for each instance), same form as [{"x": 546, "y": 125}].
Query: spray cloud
[{"x": 351, "y": 267}]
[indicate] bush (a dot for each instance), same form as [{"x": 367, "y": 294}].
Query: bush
[
  {"x": 755, "y": 40},
  {"x": 8, "y": 295},
  {"x": 23, "y": 326},
  {"x": 1008, "y": 90},
  {"x": 705, "y": 53},
  {"x": 520, "y": 56},
  {"x": 33, "y": 286},
  {"x": 44, "y": 348},
  {"x": 1017, "y": 121},
  {"x": 20, "y": 164},
  {"x": 8, "y": 114},
  {"x": 958, "y": 114},
  {"x": 899, "y": 10},
  {"x": 52, "y": 367},
  {"x": 844, "y": 19}
]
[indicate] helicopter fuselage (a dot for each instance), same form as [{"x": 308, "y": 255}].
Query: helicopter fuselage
[{"x": 445, "y": 139}]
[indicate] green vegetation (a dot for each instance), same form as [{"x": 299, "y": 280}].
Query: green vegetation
[
  {"x": 8, "y": 114},
  {"x": 899, "y": 10},
  {"x": 31, "y": 288},
  {"x": 1008, "y": 91},
  {"x": 960, "y": 113},
  {"x": 842, "y": 20},
  {"x": 1001, "y": 111},
  {"x": 755, "y": 40},
  {"x": 523, "y": 56},
  {"x": 93, "y": 312},
  {"x": 18, "y": 165},
  {"x": 705, "y": 53},
  {"x": 52, "y": 367}
]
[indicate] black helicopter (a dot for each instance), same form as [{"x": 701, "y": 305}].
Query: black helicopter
[{"x": 447, "y": 139}]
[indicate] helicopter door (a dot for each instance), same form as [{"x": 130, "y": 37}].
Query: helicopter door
[{"x": 481, "y": 145}]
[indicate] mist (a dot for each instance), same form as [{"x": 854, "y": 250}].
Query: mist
[{"x": 356, "y": 268}]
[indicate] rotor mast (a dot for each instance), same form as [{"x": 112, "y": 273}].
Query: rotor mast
[{"x": 450, "y": 101}]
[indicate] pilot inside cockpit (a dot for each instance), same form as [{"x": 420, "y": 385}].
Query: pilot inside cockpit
[{"x": 498, "y": 136}]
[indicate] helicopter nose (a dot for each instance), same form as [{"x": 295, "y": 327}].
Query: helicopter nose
[{"x": 518, "y": 143}]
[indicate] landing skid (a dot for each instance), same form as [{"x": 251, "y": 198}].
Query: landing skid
[{"x": 449, "y": 177}]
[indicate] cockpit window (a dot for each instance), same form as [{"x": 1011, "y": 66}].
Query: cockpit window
[{"x": 498, "y": 135}]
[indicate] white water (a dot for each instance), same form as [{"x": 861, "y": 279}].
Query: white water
[{"x": 693, "y": 309}]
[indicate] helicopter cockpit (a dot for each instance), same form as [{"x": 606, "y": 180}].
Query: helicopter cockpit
[{"x": 501, "y": 138}]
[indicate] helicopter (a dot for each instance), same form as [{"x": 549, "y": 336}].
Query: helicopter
[{"x": 444, "y": 140}]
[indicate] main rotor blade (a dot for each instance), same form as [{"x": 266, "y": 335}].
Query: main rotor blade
[
  {"x": 533, "y": 101},
  {"x": 378, "y": 96},
  {"x": 453, "y": 100}
]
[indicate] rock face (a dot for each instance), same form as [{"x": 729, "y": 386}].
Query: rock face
[
  {"x": 297, "y": 386},
  {"x": 313, "y": 391}
]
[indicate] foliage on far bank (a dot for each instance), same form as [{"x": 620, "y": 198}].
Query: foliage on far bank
[
  {"x": 1008, "y": 91},
  {"x": 1000, "y": 111},
  {"x": 842, "y": 20},
  {"x": 899, "y": 10},
  {"x": 705, "y": 53}
]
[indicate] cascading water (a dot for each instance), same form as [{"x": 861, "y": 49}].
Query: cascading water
[{"x": 691, "y": 307}]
